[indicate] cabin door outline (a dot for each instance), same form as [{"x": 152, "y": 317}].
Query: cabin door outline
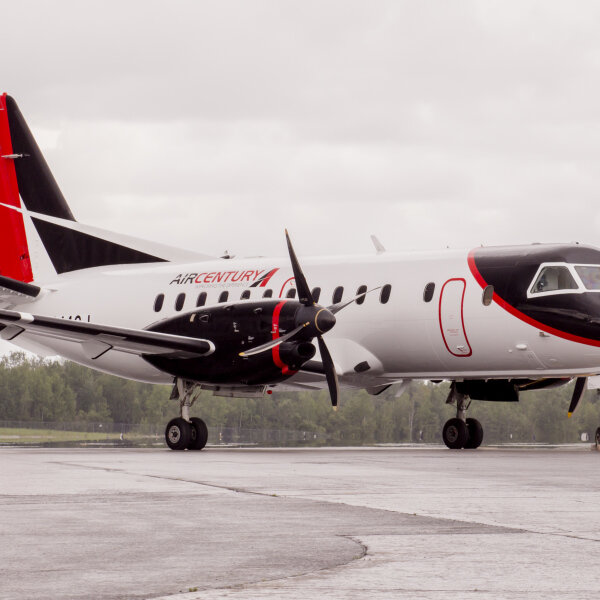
[{"x": 452, "y": 319}]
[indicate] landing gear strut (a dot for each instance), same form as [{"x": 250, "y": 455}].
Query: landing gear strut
[
  {"x": 461, "y": 432},
  {"x": 185, "y": 432}
]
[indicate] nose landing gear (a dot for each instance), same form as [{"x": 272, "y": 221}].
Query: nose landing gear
[
  {"x": 184, "y": 432},
  {"x": 461, "y": 432}
]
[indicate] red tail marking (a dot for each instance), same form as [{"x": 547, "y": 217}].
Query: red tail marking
[{"x": 14, "y": 252}]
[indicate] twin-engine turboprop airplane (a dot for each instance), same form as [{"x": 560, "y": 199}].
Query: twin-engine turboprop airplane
[{"x": 494, "y": 321}]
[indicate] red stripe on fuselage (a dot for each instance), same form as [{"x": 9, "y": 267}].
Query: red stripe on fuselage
[
  {"x": 275, "y": 332},
  {"x": 14, "y": 253},
  {"x": 522, "y": 316}
]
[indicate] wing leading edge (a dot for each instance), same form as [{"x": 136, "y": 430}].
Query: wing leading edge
[{"x": 97, "y": 339}]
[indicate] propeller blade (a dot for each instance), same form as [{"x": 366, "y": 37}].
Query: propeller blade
[
  {"x": 330, "y": 374},
  {"x": 577, "y": 393},
  {"x": 335, "y": 308},
  {"x": 273, "y": 343},
  {"x": 304, "y": 293}
]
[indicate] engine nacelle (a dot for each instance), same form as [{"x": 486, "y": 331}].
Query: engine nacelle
[{"x": 235, "y": 328}]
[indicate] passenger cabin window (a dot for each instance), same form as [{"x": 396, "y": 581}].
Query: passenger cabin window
[
  {"x": 361, "y": 293},
  {"x": 245, "y": 295},
  {"x": 201, "y": 301},
  {"x": 338, "y": 294},
  {"x": 589, "y": 275},
  {"x": 553, "y": 279},
  {"x": 316, "y": 294},
  {"x": 158, "y": 303},
  {"x": 291, "y": 293},
  {"x": 268, "y": 294},
  {"x": 180, "y": 301},
  {"x": 428, "y": 292},
  {"x": 488, "y": 295},
  {"x": 223, "y": 296},
  {"x": 386, "y": 291}
]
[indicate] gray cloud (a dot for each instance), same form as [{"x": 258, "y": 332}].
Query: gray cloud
[{"x": 216, "y": 124}]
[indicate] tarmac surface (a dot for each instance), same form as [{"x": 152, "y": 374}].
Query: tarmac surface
[{"x": 303, "y": 523}]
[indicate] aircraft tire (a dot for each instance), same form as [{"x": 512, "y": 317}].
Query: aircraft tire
[
  {"x": 178, "y": 434},
  {"x": 200, "y": 438},
  {"x": 475, "y": 434},
  {"x": 598, "y": 438},
  {"x": 455, "y": 434}
]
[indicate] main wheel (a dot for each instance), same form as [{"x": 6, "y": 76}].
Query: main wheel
[
  {"x": 475, "y": 434},
  {"x": 178, "y": 434},
  {"x": 199, "y": 434},
  {"x": 455, "y": 434},
  {"x": 598, "y": 438}
]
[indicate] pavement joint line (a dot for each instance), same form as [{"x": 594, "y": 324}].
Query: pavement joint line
[
  {"x": 503, "y": 528},
  {"x": 167, "y": 478},
  {"x": 200, "y": 592},
  {"x": 507, "y": 529}
]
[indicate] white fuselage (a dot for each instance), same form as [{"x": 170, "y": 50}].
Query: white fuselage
[{"x": 454, "y": 335}]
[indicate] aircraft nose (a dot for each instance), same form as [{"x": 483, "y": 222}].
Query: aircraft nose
[{"x": 324, "y": 320}]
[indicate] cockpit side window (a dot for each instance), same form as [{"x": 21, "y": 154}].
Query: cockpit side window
[
  {"x": 589, "y": 275},
  {"x": 552, "y": 279}
]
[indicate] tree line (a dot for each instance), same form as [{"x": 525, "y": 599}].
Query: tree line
[{"x": 38, "y": 390}]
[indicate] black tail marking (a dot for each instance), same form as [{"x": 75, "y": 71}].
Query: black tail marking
[
  {"x": 37, "y": 186},
  {"x": 71, "y": 250}
]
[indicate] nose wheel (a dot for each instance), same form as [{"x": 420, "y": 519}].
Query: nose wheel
[
  {"x": 475, "y": 434},
  {"x": 461, "y": 432},
  {"x": 455, "y": 434},
  {"x": 178, "y": 434}
]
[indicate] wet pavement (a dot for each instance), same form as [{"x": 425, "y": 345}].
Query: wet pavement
[{"x": 302, "y": 523}]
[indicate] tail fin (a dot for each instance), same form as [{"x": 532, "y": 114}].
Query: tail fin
[
  {"x": 37, "y": 187},
  {"x": 27, "y": 183}
]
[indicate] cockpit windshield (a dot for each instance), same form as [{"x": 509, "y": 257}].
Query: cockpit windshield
[
  {"x": 589, "y": 275},
  {"x": 555, "y": 278}
]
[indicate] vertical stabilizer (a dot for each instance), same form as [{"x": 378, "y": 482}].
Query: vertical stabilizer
[{"x": 36, "y": 223}]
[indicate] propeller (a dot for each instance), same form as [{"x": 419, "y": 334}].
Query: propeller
[
  {"x": 314, "y": 319},
  {"x": 577, "y": 393},
  {"x": 304, "y": 293},
  {"x": 330, "y": 374},
  {"x": 323, "y": 322}
]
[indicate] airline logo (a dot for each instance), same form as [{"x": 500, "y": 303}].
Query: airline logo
[{"x": 249, "y": 278}]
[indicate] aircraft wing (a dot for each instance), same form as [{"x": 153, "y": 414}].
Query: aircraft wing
[{"x": 97, "y": 339}]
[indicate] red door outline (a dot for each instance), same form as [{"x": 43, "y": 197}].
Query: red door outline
[{"x": 462, "y": 318}]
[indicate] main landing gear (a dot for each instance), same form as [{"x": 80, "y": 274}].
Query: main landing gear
[
  {"x": 184, "y": 432},
  {"x": 461, "y": 432}
]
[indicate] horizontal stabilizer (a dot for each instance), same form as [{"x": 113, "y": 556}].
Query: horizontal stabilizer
[{"x": 93, "y": 246}]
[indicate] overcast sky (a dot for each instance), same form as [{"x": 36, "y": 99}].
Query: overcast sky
[{"x": 215, "y": 125}]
